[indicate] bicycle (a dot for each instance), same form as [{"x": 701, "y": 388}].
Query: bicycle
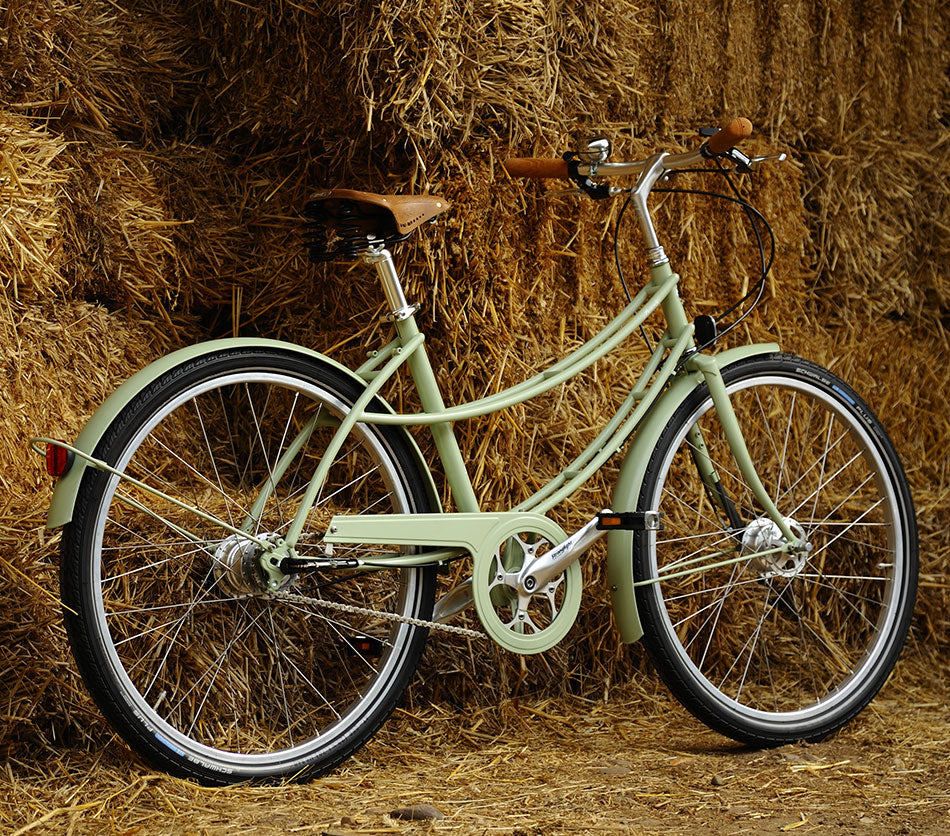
[{"x": 252, "y": 536}]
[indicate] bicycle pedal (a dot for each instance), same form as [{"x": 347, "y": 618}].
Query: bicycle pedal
[
  {"x": 629, "y": 521},
  {"x": 360, "y": 645}
]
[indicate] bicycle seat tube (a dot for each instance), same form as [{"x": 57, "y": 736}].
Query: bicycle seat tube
[{"x": 402, "y": 316}]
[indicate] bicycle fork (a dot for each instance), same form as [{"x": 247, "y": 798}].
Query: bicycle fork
[
  {"x": 706, "y": 365},
  {"x": 733, "y": 432}
]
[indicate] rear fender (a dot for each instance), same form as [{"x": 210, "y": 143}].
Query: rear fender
[
  {"x": 64, "y": 494},
  {"x": 630, "y": 480}
]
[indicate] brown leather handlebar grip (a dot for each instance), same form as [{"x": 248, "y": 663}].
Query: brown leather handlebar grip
[
  {"x": 536, "y": 167},
  {"x": 737, "y": 130}
]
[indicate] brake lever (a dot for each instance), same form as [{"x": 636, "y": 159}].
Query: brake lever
[
  {"x": 746, "y": 165},
  {"x": 755, "y": 162},
  {"x": 577, "y": 191},
  {"x": 598, "y": 191}
]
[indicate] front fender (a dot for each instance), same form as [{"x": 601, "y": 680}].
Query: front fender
[
  {"x": 64, "y": 494},
  {"x": 630, "y": 479}
]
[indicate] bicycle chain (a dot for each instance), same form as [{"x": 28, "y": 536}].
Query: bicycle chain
[{"x": 386, "y": 616}]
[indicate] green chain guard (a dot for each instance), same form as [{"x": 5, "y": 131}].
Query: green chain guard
[{"x": 486, "y": 598}]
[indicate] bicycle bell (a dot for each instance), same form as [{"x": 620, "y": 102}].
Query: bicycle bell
[{"x": 595, "y": 150}]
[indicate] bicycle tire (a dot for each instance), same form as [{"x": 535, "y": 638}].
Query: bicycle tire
[
  {"x": 203, "y": 673},
  {"x": 778, "y": 649}
]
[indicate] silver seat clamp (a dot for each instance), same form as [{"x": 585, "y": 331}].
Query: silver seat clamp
[
  {"x": 382, "y": 260},
  {"x": 401, "y": 314}
]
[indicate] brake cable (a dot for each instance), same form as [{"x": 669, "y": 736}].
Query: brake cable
[{"x": 751, "y": 213}]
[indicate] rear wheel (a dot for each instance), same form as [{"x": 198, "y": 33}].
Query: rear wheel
[
  {"x": 779, "y": 647},
  {"x": 203, "y": 668}
]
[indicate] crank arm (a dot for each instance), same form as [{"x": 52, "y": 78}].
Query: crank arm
[{"x": 540, "y": 570}]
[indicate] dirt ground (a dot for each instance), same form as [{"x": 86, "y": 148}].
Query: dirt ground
[{"x": 636, "y": 763}]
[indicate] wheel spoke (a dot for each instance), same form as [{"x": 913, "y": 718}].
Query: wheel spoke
[
  {"x": 199, "y": 642},
  {"x": 786, "y": 634},
  {"x": 212, "y": 460}
]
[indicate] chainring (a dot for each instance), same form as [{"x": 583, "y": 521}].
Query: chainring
[{"x": 525, "y": 623}]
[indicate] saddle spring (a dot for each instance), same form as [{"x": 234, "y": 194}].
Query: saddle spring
[{"x": 340, "y": 228}]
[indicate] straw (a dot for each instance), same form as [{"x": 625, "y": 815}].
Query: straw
[{"x": 155, "y": 160}]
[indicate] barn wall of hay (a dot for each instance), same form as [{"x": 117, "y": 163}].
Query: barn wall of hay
[{"x": 155, "y": 156}]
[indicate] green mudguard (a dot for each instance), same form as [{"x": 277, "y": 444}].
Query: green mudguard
[
  {"x": 64, "y": 495},
  {"x": 630, "y": 480}
]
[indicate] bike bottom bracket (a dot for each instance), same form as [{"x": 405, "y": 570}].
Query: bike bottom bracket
[{"x": 521, "y": 620}]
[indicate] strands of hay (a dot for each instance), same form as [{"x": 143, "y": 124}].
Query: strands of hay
[
  {"x": 880, "y": 211},
  {"x": 624, "y": 762},
  {"x": 118, "y": 243},
  {"x": 156, "y": 158},
  {"x": 32, "y": 181},
  {"x": 99, "y": 69}
]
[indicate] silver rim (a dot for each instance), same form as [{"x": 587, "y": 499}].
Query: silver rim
[
  {"x": 782, "y": 642},
  {"x": 240, "y": 679}
]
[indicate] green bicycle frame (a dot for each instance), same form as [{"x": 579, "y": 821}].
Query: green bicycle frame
[
  {"x": 409, "y": 349},
  {"x": 448, "y": 532},
  {"x": 674, "y": 369},
  {"x": 660, "y": 292}
]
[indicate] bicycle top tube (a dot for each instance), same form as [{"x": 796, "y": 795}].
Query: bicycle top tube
[{"x": 660, "y": 293}]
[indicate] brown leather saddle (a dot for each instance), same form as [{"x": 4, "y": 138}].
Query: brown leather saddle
[{"x": 344, "y": 222}]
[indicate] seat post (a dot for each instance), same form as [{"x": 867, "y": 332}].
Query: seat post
[{"x": 382, "y": 260}]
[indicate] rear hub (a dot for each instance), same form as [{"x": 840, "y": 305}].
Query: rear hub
[{"x": 238, "y": 568}]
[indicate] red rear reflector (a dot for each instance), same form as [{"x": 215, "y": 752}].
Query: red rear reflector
[{"x": 58, "y": 460}]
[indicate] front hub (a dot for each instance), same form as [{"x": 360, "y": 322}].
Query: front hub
[{"x": 762, "y": 535}]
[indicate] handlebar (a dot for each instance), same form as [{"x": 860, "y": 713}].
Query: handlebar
[
  {"x": 737, "y": 130},
  {"x": 540, "y": 168}
]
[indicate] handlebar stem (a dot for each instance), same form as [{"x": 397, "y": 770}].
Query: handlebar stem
[{"x": 653, "y": 170}]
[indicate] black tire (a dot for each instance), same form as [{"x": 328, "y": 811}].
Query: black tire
[
  {"x": 778, "y": 649},
  {"x": 203, "y": 672}
]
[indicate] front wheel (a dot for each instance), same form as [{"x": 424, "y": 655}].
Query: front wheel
[
  {"x": 206, "y": 670},
  {"x": 784, "y": 646}
]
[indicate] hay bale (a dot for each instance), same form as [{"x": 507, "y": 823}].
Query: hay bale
[
  {"x": 63, "y": 358},
  {"x": 880, "y": 210},
  {"x": 96, "y": 67},
  {"x": 162, "y": 156},
  {"x": 34, "y": 173},
  {"x": 117, "y": 249}
]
